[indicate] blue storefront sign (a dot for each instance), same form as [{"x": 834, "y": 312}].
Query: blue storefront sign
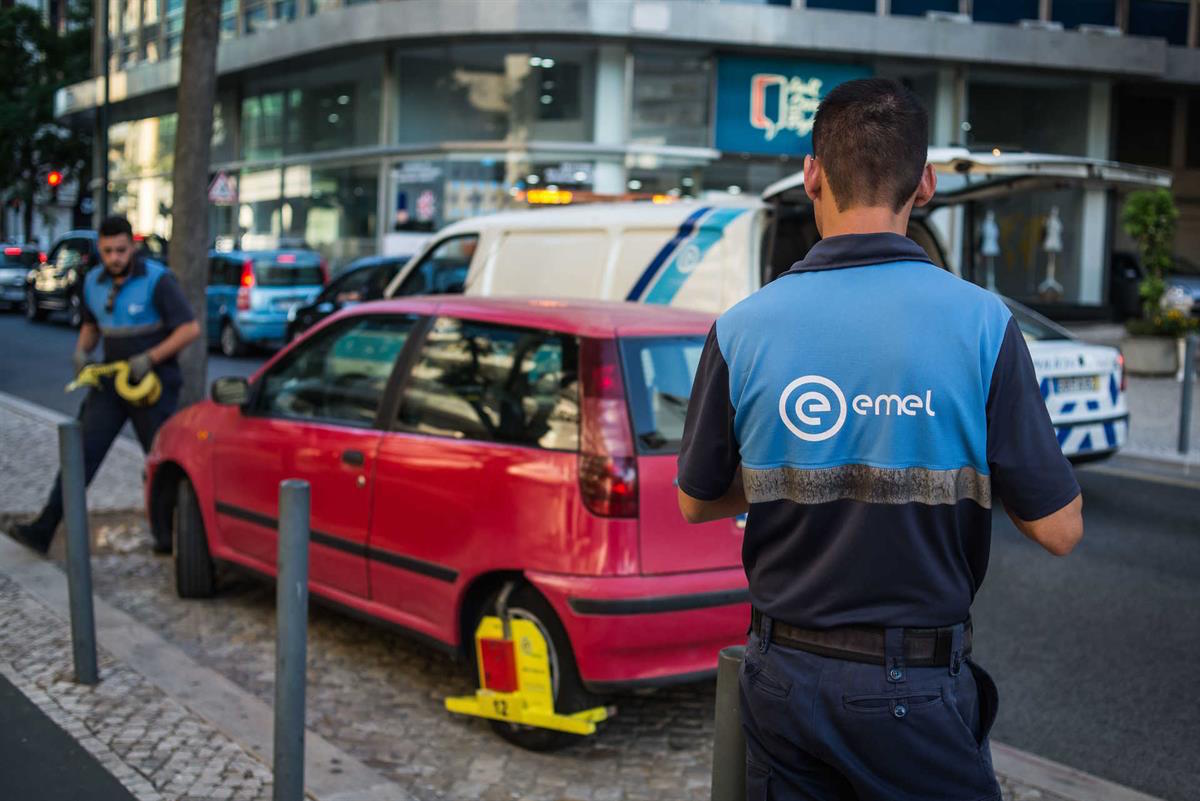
[{"x": 767, "y": 105}]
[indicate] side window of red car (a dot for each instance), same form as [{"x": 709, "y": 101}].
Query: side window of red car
[
  {"x": 494, "y": 383},
  {"x": 339, "y": 375}
]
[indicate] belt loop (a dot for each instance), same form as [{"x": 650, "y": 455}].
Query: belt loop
[
  {"x": 893, "y": 654},
  {"x": 764, "y": 633},
  {"x": 956, "y": 648}
]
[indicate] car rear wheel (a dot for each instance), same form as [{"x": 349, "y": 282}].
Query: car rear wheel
[
  {"x": 195, "y": 574},
  {"x": 32, "y": 312},
  {"x": 569, "y": 694},
  {"x": 231, "y": 344}
]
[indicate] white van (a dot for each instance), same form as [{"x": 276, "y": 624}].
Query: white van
[{"x": 708, "y": 255}]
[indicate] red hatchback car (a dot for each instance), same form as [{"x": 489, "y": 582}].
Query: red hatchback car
[{"x": 456, "y": 446}]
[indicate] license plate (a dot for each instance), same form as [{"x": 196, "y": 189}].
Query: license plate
[{"x": 1079, "y": 383}]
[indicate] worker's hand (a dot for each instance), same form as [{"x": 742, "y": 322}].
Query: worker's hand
[
  {"x": 139, "y": 367},
  {"x": 81, "y": 359}
]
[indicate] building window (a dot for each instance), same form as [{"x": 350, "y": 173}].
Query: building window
[
  {"x": 285, "y": 10},
  {"x": 1073, "y": 13},
  {"x": 229, "y": 18},
  {"x": 495, "y": 92},
  {"x": 174, "y": 24},
  {"x": 842, "y": 5},
  {"x": 1166, "y": 19},
  {"x": 1044, "y": 118},
  {"x": 671, "y": 99},
  {"x": 256, "y": 15},
  {"x": 1004, "y": 11},
  {"x": 917, "y": 8},
  {"x": 1145, "y": 124}
]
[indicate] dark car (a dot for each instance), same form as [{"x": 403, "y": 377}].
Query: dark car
[
  {"x": 1127, "y": 273},
  {"x": 57, "y": 283},
  {"x": 15, "y": 263},
  {"x": 363, "y": 280}
]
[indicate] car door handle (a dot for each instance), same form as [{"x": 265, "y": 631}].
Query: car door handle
[{"x": 354, "y": 458}]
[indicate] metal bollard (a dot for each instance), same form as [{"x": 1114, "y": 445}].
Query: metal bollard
[
  {"x": 79, "y": 565},
  {"x": 729, "y": 741},
  {"x": 291, "y": 639},
  {"x": 1185, "y": 404}
]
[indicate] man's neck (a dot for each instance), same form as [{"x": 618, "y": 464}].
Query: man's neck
[{"x": 865, "y": 220}]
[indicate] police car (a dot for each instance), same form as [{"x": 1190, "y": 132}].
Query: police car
[{"x": 1083, "y": 386}]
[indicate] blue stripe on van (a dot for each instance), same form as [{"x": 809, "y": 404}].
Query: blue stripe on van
[
  {"x": 685, "y": 230},
  {"x": 675, "y": 274}
]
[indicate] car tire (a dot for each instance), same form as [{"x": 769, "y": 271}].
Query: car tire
[
  {"x": 569, "y": 694},
  {"x": 230, "y": 343},
  {"x": 32, "y": 312},
  {"x": 195, "y": 573},
  {"x": 75, "y": 310}
]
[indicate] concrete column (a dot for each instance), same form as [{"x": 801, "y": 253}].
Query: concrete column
[
  {"x": 1094, "y": 256},
  {"x": 883, "y": 7},
  {"x": 612, "y": 115},
  {"x": 798, "y": 3},
  {"x": 1123, "y": 15},
  {"x": 1193, "y": 33},
  {"x": 1044, "y": 10}
]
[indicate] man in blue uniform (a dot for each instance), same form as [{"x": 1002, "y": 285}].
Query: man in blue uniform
[
  {"x": 866, "y": 408},
  {"x": 138, "y": 309}
]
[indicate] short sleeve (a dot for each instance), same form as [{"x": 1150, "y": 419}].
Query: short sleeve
[
  {"x": 171, "y": 303},
  {"x": 1029, "y": 472},
  {"x": 708, "y": 454}
]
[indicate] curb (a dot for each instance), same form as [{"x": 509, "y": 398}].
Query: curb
[
  {"x": 330, "y": 773},
  {"x": 51, "y": 417}
]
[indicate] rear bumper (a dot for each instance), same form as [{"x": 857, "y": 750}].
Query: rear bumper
[
  {"x": 636, "y": 631},
  {"x": 1092, "y": 438},
  {"x": 262, "y": 327}
]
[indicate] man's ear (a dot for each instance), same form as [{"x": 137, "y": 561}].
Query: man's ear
[
  {"x": 927, "y": 187},
  {"x": 814, "y": 178}
]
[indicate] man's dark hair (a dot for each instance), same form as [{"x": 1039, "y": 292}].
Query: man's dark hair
[
  {"x": 115, "y": 226},
  {"x": 871, "y": 137}
]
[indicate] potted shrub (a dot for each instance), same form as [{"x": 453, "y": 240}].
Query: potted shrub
[{"x": 1152, "y": 347}]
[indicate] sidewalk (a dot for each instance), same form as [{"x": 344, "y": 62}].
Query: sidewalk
[{"x": 183, "y": 708}]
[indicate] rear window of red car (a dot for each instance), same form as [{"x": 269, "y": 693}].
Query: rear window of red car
[{"x": 658, "y": 380}]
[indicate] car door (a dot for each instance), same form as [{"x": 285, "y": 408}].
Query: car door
[
  {"x": 443, "y": 270},
  {"x": 312, "y": 416},
  {"x": 478, "y": 471}
]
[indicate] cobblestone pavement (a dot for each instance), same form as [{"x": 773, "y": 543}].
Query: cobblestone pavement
[
  {"x": 154, "y": 746},
  {"x": 379, "y": 696},
  {"x": 1154, "y": 416},
  {"x": 29, "y": 461}
]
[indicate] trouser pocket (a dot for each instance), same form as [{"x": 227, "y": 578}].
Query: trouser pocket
[{"x": 989, "y": 701}]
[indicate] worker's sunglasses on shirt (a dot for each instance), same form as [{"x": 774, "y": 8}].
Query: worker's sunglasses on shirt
[{"x": 112, "y": 298}]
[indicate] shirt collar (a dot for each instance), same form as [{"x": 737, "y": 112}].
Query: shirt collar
[
  {"x": 136, "y": 269},
  {"x": 857, "y": 250}
]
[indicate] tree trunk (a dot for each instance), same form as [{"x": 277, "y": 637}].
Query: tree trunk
[
  {"x": 27, "y": 213},
  {"x": 189, "y": 207}
]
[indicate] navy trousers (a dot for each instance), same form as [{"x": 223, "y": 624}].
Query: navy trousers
[
  {"x": 101, "y": 415},
  {"x": 822, "y": 729}
]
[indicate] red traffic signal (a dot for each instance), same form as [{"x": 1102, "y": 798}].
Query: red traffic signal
[{"x": 54, "y": 178}]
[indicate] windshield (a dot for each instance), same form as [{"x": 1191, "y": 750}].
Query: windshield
[
  {"x": 18, "y": 257},
  {"x": 300, "y": 271},
  {"x": 1033, "y": 326},
  {"x": 658, "y": 376}
]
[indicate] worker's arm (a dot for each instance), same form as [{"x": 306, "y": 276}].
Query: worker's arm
[
  {"x": 731, "y": 504},
  {"x": 1058, "y": 532},
  {"x": 1028, "y": 470},
  {"x": 89, "y": 338},
  {"x": 179, "y": 339}
]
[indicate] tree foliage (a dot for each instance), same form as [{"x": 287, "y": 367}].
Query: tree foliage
[{"x": 36, "y": 61}]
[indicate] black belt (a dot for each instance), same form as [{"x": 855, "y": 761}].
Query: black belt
[{"x": 922, "y": 647}]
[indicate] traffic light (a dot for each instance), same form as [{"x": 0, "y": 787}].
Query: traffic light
[{"x": 54, "y": 179}]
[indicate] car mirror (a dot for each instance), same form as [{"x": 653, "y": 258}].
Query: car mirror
[{"x": 230, "y": 391}]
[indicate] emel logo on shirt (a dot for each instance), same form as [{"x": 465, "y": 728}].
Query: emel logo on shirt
[{"x": 814, "y": 407}]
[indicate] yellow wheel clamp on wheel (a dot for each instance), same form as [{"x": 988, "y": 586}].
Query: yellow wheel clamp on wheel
[
  {"x": 517, "y": 687},
  {"x": 144, "y": 393}
]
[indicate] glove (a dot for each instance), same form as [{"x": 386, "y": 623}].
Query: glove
[
  {"x": 81, "y": 359},
  {"x": 139, "y": 367}
]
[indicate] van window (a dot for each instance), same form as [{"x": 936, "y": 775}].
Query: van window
[
  {"x": 271, "y": 273},
  {"x": 659, "y": 372},
  {"x": 494, "y": 383},
  {"x": 443, "y": 271},
  {"x": 552, "y": 263}
]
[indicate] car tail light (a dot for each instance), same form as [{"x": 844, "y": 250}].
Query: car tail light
[
  {"x": 1121, "y": 367},
  {"x": 12, "y": 251},
  {"x": 607, "y": 460},
  {"x": 41, "y": 257},
  {"x": 247, "y": 283},
  {"x": 285, "y": 258},
  {"x": 499, "y": 664}
]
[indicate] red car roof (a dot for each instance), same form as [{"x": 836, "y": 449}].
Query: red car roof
[{"x": 594, "y": 318}]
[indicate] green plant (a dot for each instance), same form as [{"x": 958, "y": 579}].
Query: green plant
[{"x": 1149, "y": 217}]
